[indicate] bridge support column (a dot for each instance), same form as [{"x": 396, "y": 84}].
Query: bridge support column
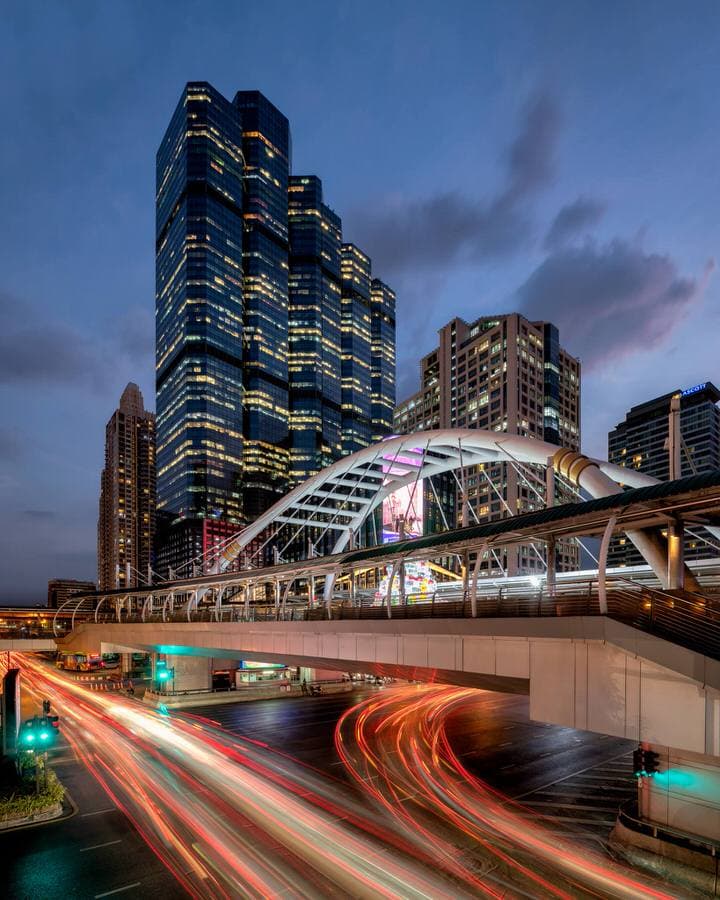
[
  {"x": 551, "y": 567},
  {"x": 191, "y": 673},
  {"x": 676, "y": 556},
  {"x": 311, "y": 591},
  {"x": 602, "y": 565}
]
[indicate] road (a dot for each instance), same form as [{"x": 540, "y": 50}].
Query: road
[{"x": 242, "y": 799}]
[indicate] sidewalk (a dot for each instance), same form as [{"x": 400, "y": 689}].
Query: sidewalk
[{"x": 240, "y": 695}]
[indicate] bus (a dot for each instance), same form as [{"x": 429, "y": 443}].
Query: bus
[{"x": 79, "y": 662}]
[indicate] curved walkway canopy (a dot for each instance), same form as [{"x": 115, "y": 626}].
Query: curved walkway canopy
[{"x": 339, "y": 498}]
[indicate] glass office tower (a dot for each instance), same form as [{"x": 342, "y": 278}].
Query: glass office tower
[
  {"x": 266, "y": 151},
  {"x": 199, "y": 309},
  {"x": 382, "y": 359},
  {"x": 640, "y": 442},
  {"x": 268, "y": 366},
  {"x": 356, "y": 349},
  {"x": 314, "y": 330}
]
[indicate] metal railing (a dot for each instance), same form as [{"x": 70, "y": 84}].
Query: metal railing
[{"x": 691, "y": 620}]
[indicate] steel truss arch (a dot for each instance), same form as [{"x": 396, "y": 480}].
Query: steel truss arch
[{"x": 342, "y": 496}]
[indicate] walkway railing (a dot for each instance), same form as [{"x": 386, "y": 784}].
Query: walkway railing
[{"x": 691, "y": 620}]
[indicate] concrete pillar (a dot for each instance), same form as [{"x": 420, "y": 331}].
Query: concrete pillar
[
  {"x": 674, "y": 439},
  {"x": 550, "y": 579},
  {"x": 311, "y": 591},
  {"x": 190, "y": 673},
  {"x": 126, "y": 663},
  {"x": 676, "y": 559}
]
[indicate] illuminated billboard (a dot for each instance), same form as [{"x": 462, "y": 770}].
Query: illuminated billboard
[
  {"x": 403, "y": 505},
  {"x": 403, "y": 509}
]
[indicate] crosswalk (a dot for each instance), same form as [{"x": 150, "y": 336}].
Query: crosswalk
[{"x": 584, "y": 805}]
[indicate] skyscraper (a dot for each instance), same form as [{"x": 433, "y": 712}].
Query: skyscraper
[
  {"x": 266, "y": 152},
  {"x": 641, "y": 442},
  {"x": 314, "y": 330},
  {"x": 126, "y": 523},
  {"x": 356, "y": 349},
  {"x": 505, "y": 374},
  {"x": 268, "y": 366},
  {"x": 382, "y": 366},
  {"x": 199, "y": 308}
]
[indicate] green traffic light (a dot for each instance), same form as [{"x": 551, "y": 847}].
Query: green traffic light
[
  {"x": 163, "y": 676},
  {"x": 44, "y": 735}
]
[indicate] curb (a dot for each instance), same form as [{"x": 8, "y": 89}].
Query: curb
[{"x": 60, "y": 811}]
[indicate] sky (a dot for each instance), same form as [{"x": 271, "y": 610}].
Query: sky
[{"x": 555, "y": 158}]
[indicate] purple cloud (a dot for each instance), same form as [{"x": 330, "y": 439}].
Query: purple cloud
[
  {"x": 421, "y": 233},
  {"x": 573, "y": 220},
  {"x": 610, "y": 301}
]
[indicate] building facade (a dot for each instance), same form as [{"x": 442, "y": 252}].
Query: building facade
[
  {"x": 314, "y": 330},
  {"x": 264, "y": 342},
  {"x": 504, "y": 374},
  {"x": 382, "y": 359},
  {"x": 641, "y": 442},
  {"x": 355, "y": 270},
  {"x": 266, "y": 154},
  {"x": 62, "y": 589},
  {"x": 126, "y": 521}
]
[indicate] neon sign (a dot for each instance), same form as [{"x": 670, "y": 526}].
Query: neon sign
[{"x": 695, "y": 389}]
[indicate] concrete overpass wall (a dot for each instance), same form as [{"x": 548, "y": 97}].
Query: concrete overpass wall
[
  {"x": 583, "y": 672},
  {"x": 28, "y": 645}
]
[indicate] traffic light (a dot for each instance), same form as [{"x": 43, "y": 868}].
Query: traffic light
[
  {"x": 162, "y": 673},
  {"x": 39, "y": 734},
  {"x": 645, "y": 763},
  {"x": 651, "y": 762},
  {"x": 639, "y": 762},
  {"x": 28, "y": 736}
]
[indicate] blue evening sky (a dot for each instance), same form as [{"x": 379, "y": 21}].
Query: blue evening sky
[{"x": 558, "y": 158}]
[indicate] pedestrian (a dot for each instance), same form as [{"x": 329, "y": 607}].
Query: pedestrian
[{"x": 303, "y": 686}]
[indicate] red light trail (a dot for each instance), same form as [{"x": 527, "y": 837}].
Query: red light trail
[
  {"x": 397, "y": 749},
  {"x": 231, "y": 817}
]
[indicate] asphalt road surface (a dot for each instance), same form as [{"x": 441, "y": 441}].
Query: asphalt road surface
[{"x": 577, "y": 778}]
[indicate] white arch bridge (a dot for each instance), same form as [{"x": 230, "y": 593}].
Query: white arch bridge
[{"x": 331, "y": 508}]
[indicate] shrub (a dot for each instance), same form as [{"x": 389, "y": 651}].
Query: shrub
[{"x": 24, "y": 802}]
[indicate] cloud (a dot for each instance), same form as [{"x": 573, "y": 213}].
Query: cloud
[
  {"x": 407, "y": 234},
  {"x": 573, "y": 220},
  {"x": 35, "y": 349},
  {"x": 39, "y": 515},
  {"x": 610, "y": 301}
]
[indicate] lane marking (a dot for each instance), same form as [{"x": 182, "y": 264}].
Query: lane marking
[
  {"x": 98, "y": 812},
  {"x": 126, "y": 887},
  {"x": 548, "y": 784},
  {"x": 98, "y": 846},
  {"x": 600, "y": 809}
]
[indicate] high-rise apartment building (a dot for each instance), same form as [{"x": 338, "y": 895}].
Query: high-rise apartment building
[
  {"x": 126, "y": 523},
  {"x": 267, "y": 367},
  {"x": 505, "y": 374},
  {"x": 641, "y": 442}
]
